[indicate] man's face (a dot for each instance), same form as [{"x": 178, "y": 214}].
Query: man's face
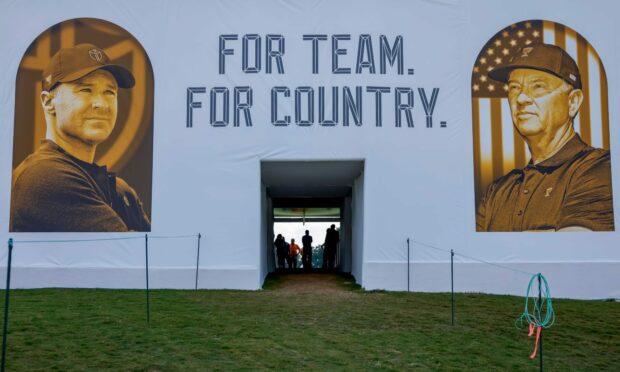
[
  {"x": 85, "y": 109},
  {"x": 539, "y": 102}
]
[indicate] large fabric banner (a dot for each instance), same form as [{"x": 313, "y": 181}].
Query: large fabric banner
[{"x": 482, "y": 127}]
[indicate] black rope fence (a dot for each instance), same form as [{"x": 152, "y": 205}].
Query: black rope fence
[{"x": 13, "y": 243}]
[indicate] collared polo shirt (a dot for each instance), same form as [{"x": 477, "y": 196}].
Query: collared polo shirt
[
  {"x": 572, "y": 188},
  {"x": 55, "y": 192}
]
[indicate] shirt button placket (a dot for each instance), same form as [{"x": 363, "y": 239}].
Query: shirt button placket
[{"x": 523, "y": 199}]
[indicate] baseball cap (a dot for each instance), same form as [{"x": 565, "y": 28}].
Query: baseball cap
[
  {"x": 70, "y": 64},
  {"x": 543, "y": 57}
]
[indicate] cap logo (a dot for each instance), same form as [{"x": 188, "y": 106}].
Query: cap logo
[
  {"x": 572, "y": 77},
  {"x": 526, "y": 52},
  {"x": 96, "y": 54}
]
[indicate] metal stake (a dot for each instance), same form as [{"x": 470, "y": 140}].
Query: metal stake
[
  {"x": 148, "y": 301},
  {"x": 540, "y": 306},
  {"x": 408, "y": 265},
  {"x": 452, "y": 281},
  {"x": 197, "y": 260},
  {"x": 6, "y": 304}
]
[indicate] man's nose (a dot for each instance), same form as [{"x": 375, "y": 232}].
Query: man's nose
[
  {"x": 523, "y": 99},
  {"x": 99, "y": 102}
]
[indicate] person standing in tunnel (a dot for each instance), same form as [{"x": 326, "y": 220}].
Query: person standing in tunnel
[
  {"x": 281, "y": 251},
  {"x": 332, "y": 238},
  {"x": 306, "y": 255}
]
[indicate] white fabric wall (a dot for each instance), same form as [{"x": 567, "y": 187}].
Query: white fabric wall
[
  {"x": 417, "y": 182},
  {"x": 357, "y": 229}
]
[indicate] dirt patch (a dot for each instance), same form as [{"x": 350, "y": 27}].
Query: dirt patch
[{"x": 313, "y": 283}]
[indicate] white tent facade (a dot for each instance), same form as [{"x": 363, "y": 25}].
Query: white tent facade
[{"x": 401, "y": 168}]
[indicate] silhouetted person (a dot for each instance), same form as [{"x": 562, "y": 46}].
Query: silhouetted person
[
  {"x": 332, "y": 237},
  {"x": 286, "y": 251},
  {"x": 306, "y": 256},
  {"x": 293, "y": 253},
  {"x": 281, "y": 251}
]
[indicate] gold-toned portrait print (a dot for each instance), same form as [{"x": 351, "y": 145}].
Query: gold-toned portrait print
[
  {"x": 83, "y": 132},
  {"x": 541, "y": 132}
]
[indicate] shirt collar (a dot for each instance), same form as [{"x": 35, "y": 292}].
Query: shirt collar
[
  {"x": 51, "y": 145},
  {"x": 573, "y": 147}
]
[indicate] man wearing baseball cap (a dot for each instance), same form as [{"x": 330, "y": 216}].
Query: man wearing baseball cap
[
  {"x": 59, "y": 188},
  {"x": 567, "y": 184}
]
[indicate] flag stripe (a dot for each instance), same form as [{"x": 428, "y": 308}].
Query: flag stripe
[
  {"x": 560, "y": 37},
  {"x": 571, "y": 49},
  {"x": 584, "y": 112},
  {"x": 507, "y": 136},
  {"x": 486, "y": 174},
  {"x": 475, "y": 112},
  {"x": 548, "y": 32},
  {"x": 594, "y": 92},
  {"x": 604, "y": 106},
  {"x": 496, "y": 137}
]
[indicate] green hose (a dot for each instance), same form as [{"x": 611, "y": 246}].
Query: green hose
[{"x": 544, "y": 306}]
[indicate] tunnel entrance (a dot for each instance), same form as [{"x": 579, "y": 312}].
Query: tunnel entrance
[{"x": 313, "y": 195}]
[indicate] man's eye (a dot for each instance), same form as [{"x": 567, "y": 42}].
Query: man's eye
[
  {"x": 110, "y": 92},
  {"x": 85, "y": 90}
]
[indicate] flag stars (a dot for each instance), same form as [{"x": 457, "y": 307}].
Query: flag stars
[
  {"x": 489, "y": 68},
  {"x": 536, "y": 33},
  {"x": 513, "y": 42},
  {"x": 491, "y": 88},
  {"x": 483, "y": 78},
  {"x": 498, "y": 60},
  {"x": 505, "y": 87},
  {"x": 505, "y": 51},
  {"x": 476, "y": 87},
  {"x": 483, "y": 60},
  {"x": 490, "y": 51},
  {"x": 528, "y": 42},
  {"x": 520, "y": 33},
  {"x": 505, "y": 34},
  {"x": 528, "y": 24},
  {"x": 498, "y": 43}
]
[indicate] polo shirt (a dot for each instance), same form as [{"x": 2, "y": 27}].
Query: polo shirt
[
  {"x": 54, "y": 191},
  {"x": 572, "y": 188}
]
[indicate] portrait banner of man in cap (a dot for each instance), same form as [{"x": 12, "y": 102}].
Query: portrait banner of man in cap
[
  {"x": 544, "y": 91},
  {"x": 71, "y": 181}
]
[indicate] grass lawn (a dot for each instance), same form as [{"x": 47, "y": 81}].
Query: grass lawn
[{"x": 348, "y": 329}]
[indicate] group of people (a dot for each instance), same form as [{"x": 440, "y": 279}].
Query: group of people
[{"x": 289, "y": 252}]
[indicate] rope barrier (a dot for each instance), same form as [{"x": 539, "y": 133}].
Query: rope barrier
[
  {"x": 173, "y": 236},
  {"x": 77, "y": 240},
  {"x": 473, "y": 258},
  {"x": 105, "y": 239}
]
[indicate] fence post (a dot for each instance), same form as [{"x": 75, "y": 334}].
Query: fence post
[
  {"x": 6, "y": 304},
  {"x": 197, "y": 261},
  {"x": 148, "y": 301},
  {"x": 452, "y": 281},
  {"x": 408, "y": 265}
]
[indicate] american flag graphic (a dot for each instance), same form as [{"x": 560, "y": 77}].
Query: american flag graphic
[{"x": 498, "y": 148}]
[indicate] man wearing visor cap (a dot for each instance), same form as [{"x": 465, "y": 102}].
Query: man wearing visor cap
[
  {"x": 59, "y": 188},
  {"x": 566, "y": 186}
]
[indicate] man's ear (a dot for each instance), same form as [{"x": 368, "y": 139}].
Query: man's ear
[
  {"x": 47, "y": 102},
  {"x": 575, "y": 99}
]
